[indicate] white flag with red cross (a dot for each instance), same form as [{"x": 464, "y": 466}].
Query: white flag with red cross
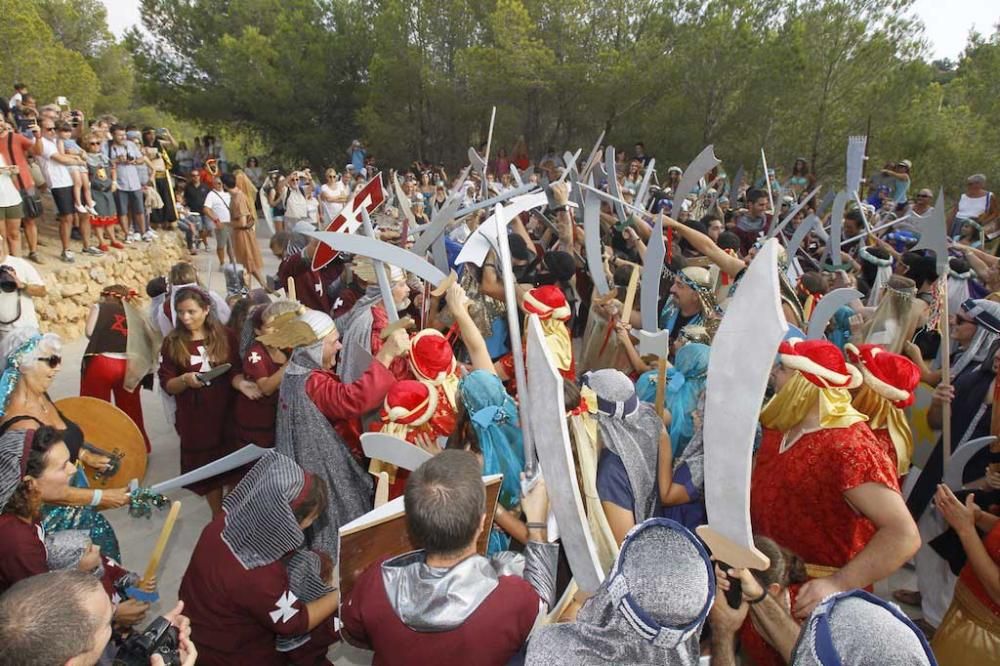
[{"x": 369, "y": 198}]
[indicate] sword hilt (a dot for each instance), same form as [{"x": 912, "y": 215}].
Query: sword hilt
[{"x": 734, "y": 595}]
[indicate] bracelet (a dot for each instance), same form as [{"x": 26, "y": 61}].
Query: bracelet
[
  {"x": 763, "y": 595},
  {"x": 537, "y": 526},
  {"x": 98, "y": 495}
]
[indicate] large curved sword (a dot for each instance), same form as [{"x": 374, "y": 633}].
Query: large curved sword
[
  {"x": 386, "y": 253},
  {"x": 836, "y": 231},
  {"x": 702, "y": 164},
  {"x": 826, "y": 308},
  {"x": 652, "y": 269},
  {"x": 592, "y": 243},
  {"x": 613, "y": 190},
  {"x": 640, "y": 196},
  {"x": 954, "y": 469},
  {"x": 479, "y": 244},
  {"x": 555, "y": 455},
  {"x": 743, "y": 352}
]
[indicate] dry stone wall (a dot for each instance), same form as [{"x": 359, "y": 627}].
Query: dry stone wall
[{"x": 72, "y": 289}]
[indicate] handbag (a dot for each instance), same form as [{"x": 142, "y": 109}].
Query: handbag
[{"x": 30, "y": 201}]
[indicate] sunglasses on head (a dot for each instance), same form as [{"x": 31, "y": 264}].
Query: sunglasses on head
[{"x": 52, "y": 361}]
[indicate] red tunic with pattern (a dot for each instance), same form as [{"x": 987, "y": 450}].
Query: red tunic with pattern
[
  {"x": 344, "y": 404},
  {"x": 885, "y": 443},
  {"x": 797, "y": 499},
  {"x": 255, "y": 418},
  {"x": 204, "y": 415},
  {"x": 968, "y": 576},
  {"x": 237, "y": 613}
]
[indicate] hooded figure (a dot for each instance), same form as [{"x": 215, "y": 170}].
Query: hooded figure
[
  {"x": 857, "y": 627},
  {"x": 629, "y": 432},
  {"x": 251, "y": 576},
  {"x": 305, "y": 434},
  {"x": 648, "y": 611},
  {"x": 685, "y": 385}
]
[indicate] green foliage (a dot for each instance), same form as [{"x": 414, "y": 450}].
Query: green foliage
[
  {"x": 417, "y": 79},
  {"x": 31, "y": 53}
]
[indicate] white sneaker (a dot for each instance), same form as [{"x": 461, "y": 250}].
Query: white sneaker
[
  {"x": 92, "y": 210},
  {"x": 149, "y": 236},
  {"x": 132, "y": 237},
  {"x": 67, "y": 257},
  {"x": 80, "y": 208}
]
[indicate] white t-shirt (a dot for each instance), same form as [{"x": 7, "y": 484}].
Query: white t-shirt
[
  {"x": 27, "y": 274},
  {"x": 9, "y": 196},
  {"x": 972, "y": 207},
  {"x": 331, "y": 209},
  {"x": 218, "y": 202},
  {"x": 56, "y": 175}
]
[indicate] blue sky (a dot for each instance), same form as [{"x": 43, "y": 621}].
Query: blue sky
[{"x": 948, "y": 23}]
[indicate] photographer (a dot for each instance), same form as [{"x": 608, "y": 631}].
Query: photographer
[
  {"x": 64, "y": 617},
  {"x": 19, "y": 282}
]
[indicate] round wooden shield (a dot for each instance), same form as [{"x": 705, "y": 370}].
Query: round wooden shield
[{"x": 110, "y": 429}]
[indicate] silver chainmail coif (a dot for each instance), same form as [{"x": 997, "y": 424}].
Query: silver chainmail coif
[
  {"x": 305, "y": 435},
  {"x": 260, "y": 525},
  {"x": 858, "y": 628},
  {"x": 11, "y": 451},
  {"x": 631, "y": 432},
  {"x": 649, "y": 610}
]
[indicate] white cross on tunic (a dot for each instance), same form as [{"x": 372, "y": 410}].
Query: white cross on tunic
[
  {"x": 201, "y": 358},
  {"x": 338, "y": 303},
  {"x": 254, "y": 357},
  {"x": 318, "y": 287},
  {"x": 285, "y": 609}
]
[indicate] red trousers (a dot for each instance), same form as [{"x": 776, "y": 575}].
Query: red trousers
[{"x": 104, "y": 376}]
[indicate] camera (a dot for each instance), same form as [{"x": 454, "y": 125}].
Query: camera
[
  {"x": 160, "y": 637},
  {"x": 8, "y": 279}
]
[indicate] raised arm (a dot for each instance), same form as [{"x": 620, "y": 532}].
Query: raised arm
[
  {"x": 706, "y": 246},
  {"x": 458, "y": 305}
]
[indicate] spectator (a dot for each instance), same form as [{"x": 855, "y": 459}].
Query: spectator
[
  {"x": 101, "y": 174},
  {"x": 195, "y": 193},
  {"x": 900, "y": 181},
  {"x": 640, "y": 154},
  {"x": 13, "y": 147},
  {"x": 254, "y": 172},
  {"x": 55, "y": 166},
  {"x": 357, "y": 153},
  {"x": 183, "y": 160},
  {"x": 154, "y": 147},
  {"x": 977, "y": 204},
  {"x": 19, "y": 283},
  {"x": 216, "y": 209},
  {"x": 333, "y": 195},
  {"x": 127, "y": 157}
]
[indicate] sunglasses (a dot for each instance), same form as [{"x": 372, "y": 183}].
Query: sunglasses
[
  {"x": 93, "y": 143},
  {"x": 52, "y": 361}
]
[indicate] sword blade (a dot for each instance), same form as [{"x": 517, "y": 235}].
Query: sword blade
[{"x": 247, "y": 454}]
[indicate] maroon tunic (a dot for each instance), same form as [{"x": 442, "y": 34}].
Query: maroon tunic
[
  {"x": 22, "y": 554},
  {"x": 204, "y": 416},
  {"x": 255, "y": 418},
  {"x": 344, "y": 404},
  {"x": 310, "y": 285},
  {"x": 237, "y": 613},
  {"x": 491, "y": 635}
]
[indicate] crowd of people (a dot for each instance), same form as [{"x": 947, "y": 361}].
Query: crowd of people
[{"x": 307, "y": 362}]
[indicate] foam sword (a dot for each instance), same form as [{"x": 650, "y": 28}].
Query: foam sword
[{"x": 743, "y": 352}]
